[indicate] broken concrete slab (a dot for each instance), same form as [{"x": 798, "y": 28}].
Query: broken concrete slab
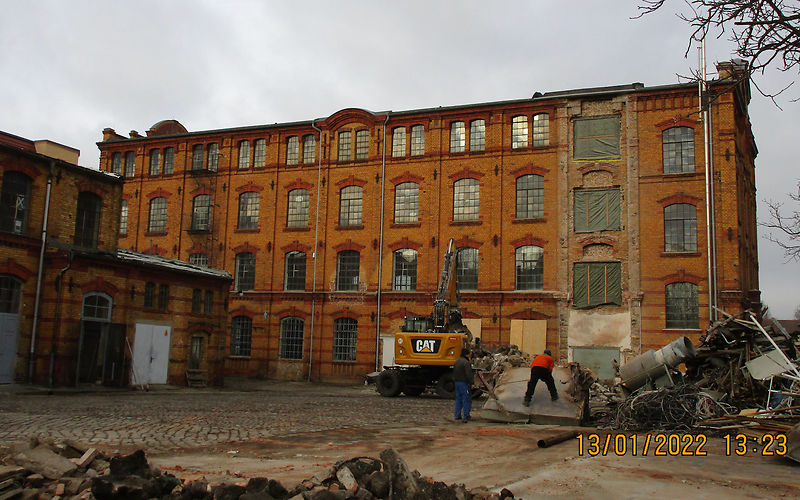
[
  {"x": 7, "y": 471},
  {"x": 510, "y": 394},
  {"x": 44, "y": 461}
]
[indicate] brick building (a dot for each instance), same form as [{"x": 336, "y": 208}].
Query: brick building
[
  {"x": 580, "y": 215},
  {"x": 76, "y": 309}
]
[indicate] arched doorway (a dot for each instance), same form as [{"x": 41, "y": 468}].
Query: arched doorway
[{"x": 101, "y": 348}]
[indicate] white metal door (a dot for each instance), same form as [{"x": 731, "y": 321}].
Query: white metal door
[
  {"x": 151, "y": 354},
  {"x": 9, "y": 325},
  {"x": 387, "y": 350}
]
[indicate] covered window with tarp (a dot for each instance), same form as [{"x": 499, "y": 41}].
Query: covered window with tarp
[
  {"x": 597, "y": 210},
  {"x": 597, "y": 138},
  {"x": 596, "y": 283}
]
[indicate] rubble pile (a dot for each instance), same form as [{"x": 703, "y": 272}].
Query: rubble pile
[
  {"x": 49, "y": 471},
  {"x": 493, "y": 359}
]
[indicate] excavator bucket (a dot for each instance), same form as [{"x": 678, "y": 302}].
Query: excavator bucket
[{"x": 506, "y": 402}]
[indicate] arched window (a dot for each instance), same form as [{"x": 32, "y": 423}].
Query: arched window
[
  {"x": 467, "y": 268},
  {"x": 297, "y": 212},
  {"x": 292, "y": 338},
  {"x": 530, "y": 268},
  {"x": 345, "y": 339},
  {"x": 405, "y": 269},
  {"x": 530, "y": 197},
  {"x": 680, "y": 228},
  {"x": 245, "y": 271},
  {"x": 350, "y": 202},
  {"x": 678, "y": 150},
  {"x": 466, "y": 200},
  {"x": 96, "y": 307},
  {"x": 10, "y": 292},
  {"x": 295, "y": 278},
  {"x": 87, "y": 219},
  {"x": 201, "y": 212},
  {"x": 15, "y": 202},
  {"x": 241, "y": 335},
  {"x": 681, "y": 305},
  {"x": 248, "y": 210},
  {"x": 158, "y": 216},
  {"x": 347, "y": 269}
]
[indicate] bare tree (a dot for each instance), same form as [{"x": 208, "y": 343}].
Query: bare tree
[
  {"x": 766, "y": 32},
  {"x": 785, "y": 228}
]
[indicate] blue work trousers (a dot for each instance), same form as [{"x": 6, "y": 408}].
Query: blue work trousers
[{"x": 463, "y": 400}]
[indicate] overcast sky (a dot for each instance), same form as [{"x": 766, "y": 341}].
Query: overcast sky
[{"x": 68, "y": 69}]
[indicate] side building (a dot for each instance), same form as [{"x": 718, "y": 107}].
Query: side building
[
  {"x": 580, "y": 217},
  {"x": 76, "y": 309}
]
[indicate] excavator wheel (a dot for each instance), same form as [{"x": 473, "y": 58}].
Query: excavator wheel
[
  {"x": 446, "y": 386},
  {"x": 389, "y": 383}
]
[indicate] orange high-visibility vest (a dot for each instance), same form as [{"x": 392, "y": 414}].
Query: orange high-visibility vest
[{"x": 544, "y": 361}]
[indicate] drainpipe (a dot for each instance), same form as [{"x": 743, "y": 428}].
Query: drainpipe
[
  {"x": 31, "y": 360},
  {"x": 314, "y": 255},
  {"x": 57, "y": 317},
  {"x": 705, "y": 104},
  {"x": 380, "y": 252}
]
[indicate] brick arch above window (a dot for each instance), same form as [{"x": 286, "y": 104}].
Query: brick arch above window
[
  {"x": 296, "y": 246},
  {"x": 201, "y": 191},
  {"x": 351, "y": 181},
  {"x": 348, "y": 245},
  {"x": 598, "y": 240},
  {"x": 198, "y": 248},
  {"x": 346, "y": 312},
  {"x": 298, "y": 184},
  {"x": 92, "y": 188},
  {"x": 593, "y": 252},
  {"x": 677, "y": 121},
  {"x": 98, "y": 285},
  {"x": 466, "y": 241},
  {"x": 23, "y": 168},
  {"x": 250, "y": 186},
  {"x": 290, "y": 312},
  {"x": 158, "y": 193},
  {"x": 526, "y": 240},
  {"x": 198, "y": 329},
  {"x": 594, "y": 167},
  {"x": 530, "y": 170},
  {"x": 406, "y": 177},
  {"x": 11, "y": 267},
  {"x": 528, "y": 314},
  {"x": 245, "y": 247},
  {"x": 242, "y": 311},
  {"x": 681, "y": 276},
  {"x": 679, "y": 197},
  {"x": 465, "y": 173},
  {"x": 404, "y": 243},
  {"x": 349, "y": 115}
]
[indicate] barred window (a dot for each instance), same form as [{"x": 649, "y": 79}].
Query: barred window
[
  {"x": 309, "y": 148},
  {"x": 245, "y": 271},
  {"x": 213, "y": 157},
  {"x": 87, "y": 219},
  {"x": 149, "y": 294},
  {"x": 362, "y": 144},
  {"x": 130, "y": 164},
  {"x": 10, "y": 293},
  {"x": 681, "y": 306},
  {"x": 155, "y": 162},
  {"x": 198, "y": 259},
  {"x": 345, "y": 339},
  {"x": 405, "y": 269},
  {"x": 530, "y": 268},
  {"x": 15, "y": 202},
  {"x": 457, "y": 137},
  {"x": 241, "y": 335},
  {"x": 398, "y": 142},
  {"x": 169, "y": 160},
  {"x": 344, "y": 145},
  {"x": 519, "y": 132},
  {"x": 347, "y": 264},
  {"x": 295, "y": 278},
  {"x": 201, "y": 212},
  {"x": 123, "y": 218},
  {"x": 350, "y": 201},
  {"x": 163, "y": 297},
  {"x": 406, "y": 203},
  {"x": 541, "y": 129},
  {"x": 477, "y": 135},
  {"x": 197, "y": 156},
  {"x": 680, "y": 228},
  {"x": 248, "y": 210},
  {"x": 466, "y": 199},
  {"x": 116, "y": 163},
  {"x": 678, "y": 150},
  {"x": 260, "y": 155},
  {"x": 244, "y": 155},
  {"x": 208, "y": 303},
  {"x": 197, "y": 300},
  {"x": 292, "y": 338},
  {"x": 467, "y": 268},
  {"x": 292, "y": 150},
  {"x": 417, "y": 140},
  {"x": 530, "y": 196},
  {"x": 158, "y": 215},
  {"x": 297, "y": 214}
]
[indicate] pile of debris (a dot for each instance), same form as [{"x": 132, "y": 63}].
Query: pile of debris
[
  {"x": 60, "y": 471},
  {"x": 492, "y": 360}
]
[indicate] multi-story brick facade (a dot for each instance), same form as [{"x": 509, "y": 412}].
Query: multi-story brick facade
[
  {"x": 583, "y": 216},
  {"x": 74, "y": 308}
]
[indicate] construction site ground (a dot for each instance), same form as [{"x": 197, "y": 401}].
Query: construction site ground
[{"x": 291, "y": 431}]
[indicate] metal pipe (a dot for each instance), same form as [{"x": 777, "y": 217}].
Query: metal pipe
[
  {"x": 31, "y": 360},
  {"x": 704, "y": 104},
  {"x": 314, "y": 256},
  {"x": 655, "y": 363},
  {"x": 380, "y": 252},
  {"x": 557, "y": 438}
]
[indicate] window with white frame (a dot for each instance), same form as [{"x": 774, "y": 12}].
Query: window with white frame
[
  {"x": 541, "y": 129},
  {"x": 405, "y": 269},
  {"x": 295, "y": 278},
  {"x": 350, "y": 202},
  {"x": 248, "y": 210},
  {"x": 260, "y": 154},
  {"x": 519, "y": 132},
  {"x": 406, "y": 203},
  {"x": 417, "y": 140},
  {"x": 477, "y": 135},
  {"x": 297, "y": 212},
  {"x": 345, "y": 145},
  {"x": 245, "y": 271},
  {"x": 244, "y": 155},
  {"x": 457, "y": 137},
  {"x": 309, "y": 148},
  {"x": 467, "y": 268},
  {"x": 292, "y": 150},
  {"x": 398, "y": 142},
  {"x": 466, "y": 200},
  {"x": 362, "y": 144}
]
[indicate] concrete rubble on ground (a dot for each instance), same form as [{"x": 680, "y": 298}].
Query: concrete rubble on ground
[{"x": 55, "y": 471}]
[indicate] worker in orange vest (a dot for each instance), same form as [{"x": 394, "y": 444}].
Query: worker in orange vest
[{"x": 541, "y": 368}]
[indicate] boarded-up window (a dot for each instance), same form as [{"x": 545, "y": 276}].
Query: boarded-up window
[
  {"x": 597, "y": 138},
  {"x": 597, "y": 210},
  {"x": 596, "y": 283},
  {"x": 529, "y": 335}
]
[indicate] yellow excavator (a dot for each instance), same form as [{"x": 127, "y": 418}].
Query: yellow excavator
[{"x": 427, "y": 346}]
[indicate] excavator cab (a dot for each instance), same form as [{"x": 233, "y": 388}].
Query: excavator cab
[{"x": 417, "y": 324}]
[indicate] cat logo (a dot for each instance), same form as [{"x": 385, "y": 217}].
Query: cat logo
[{"x": 428, "y": 346}]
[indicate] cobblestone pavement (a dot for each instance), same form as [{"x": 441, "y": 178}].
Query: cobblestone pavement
[{"x": 170, "y": 420}]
